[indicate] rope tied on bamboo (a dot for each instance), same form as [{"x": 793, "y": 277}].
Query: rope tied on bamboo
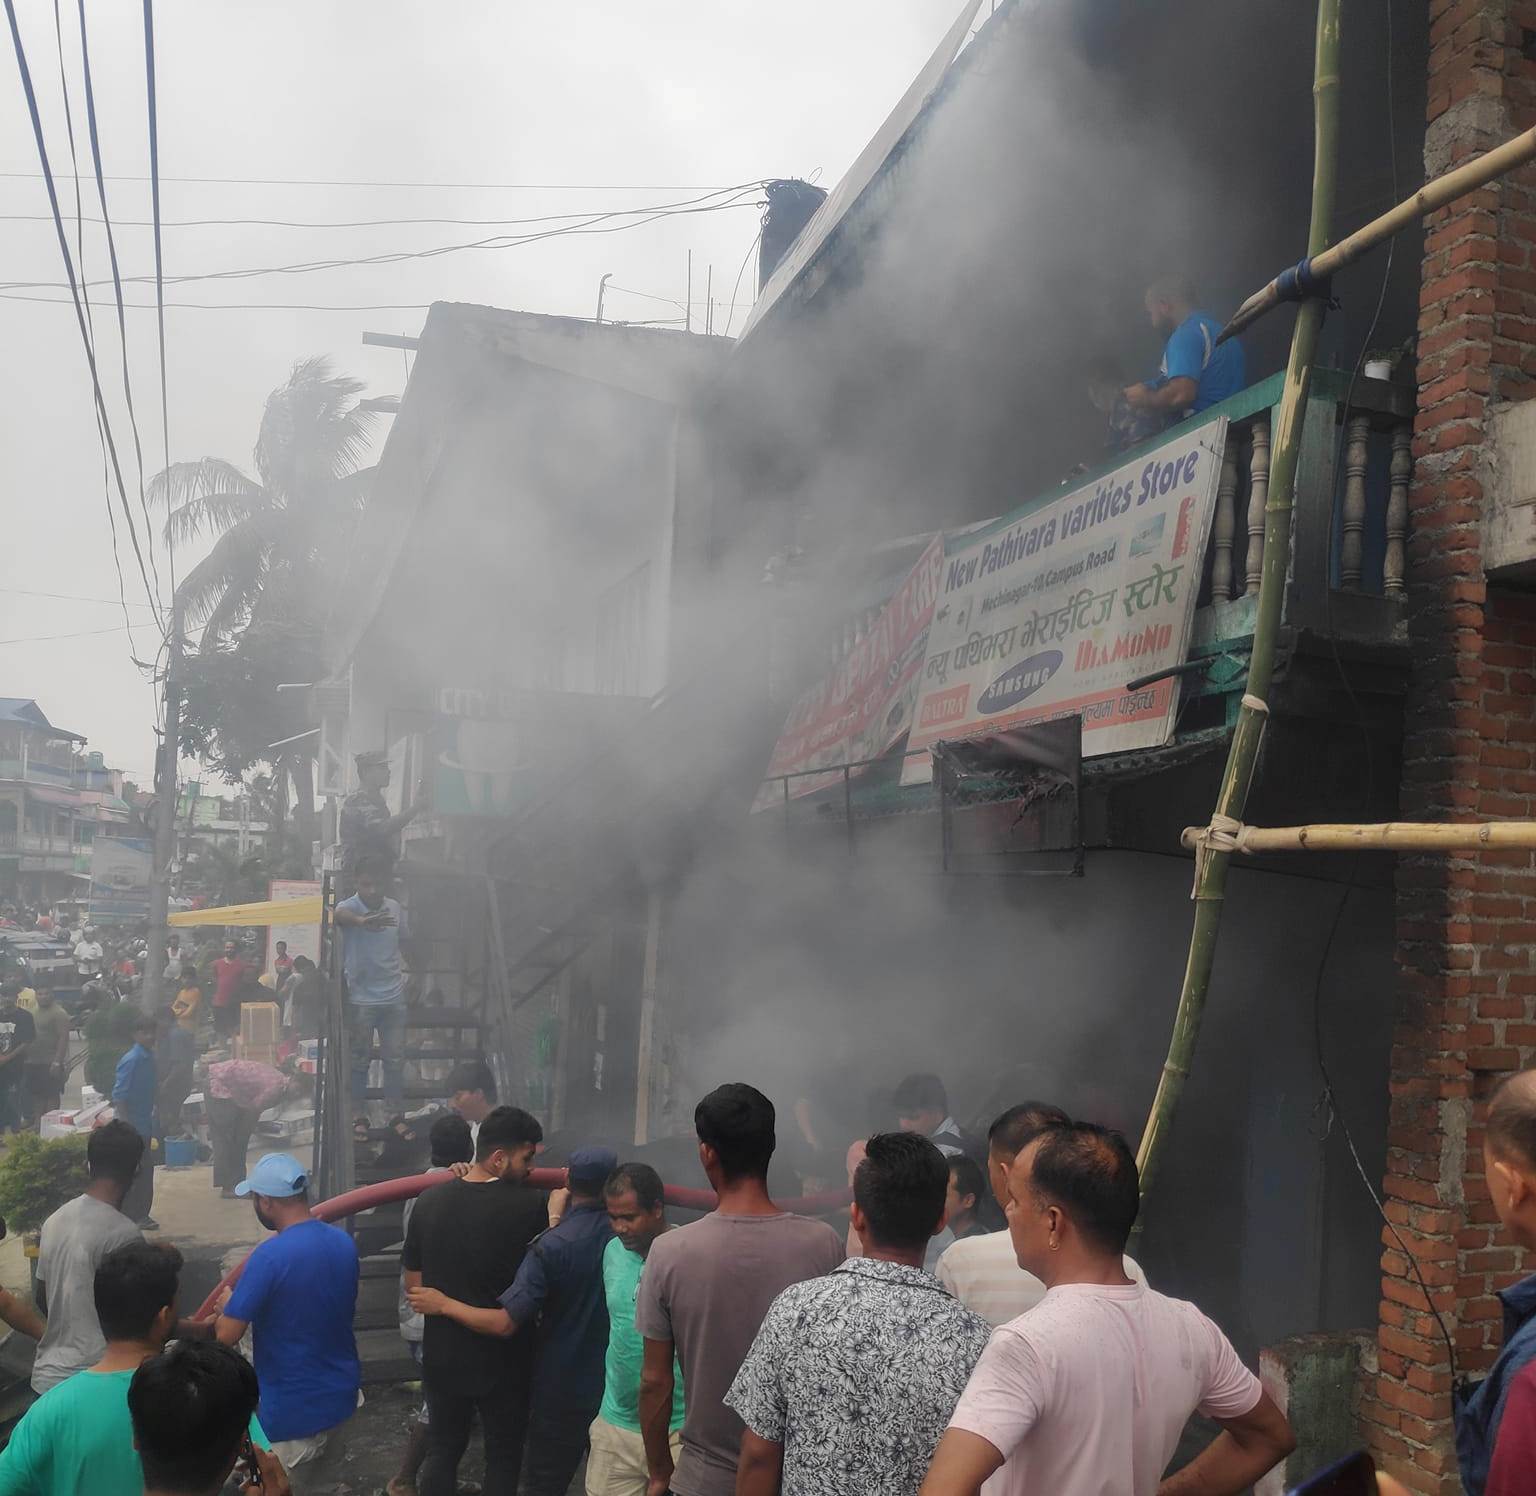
[{"x": 1224, "y": 834}]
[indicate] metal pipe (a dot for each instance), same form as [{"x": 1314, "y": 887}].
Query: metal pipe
[{"x": 392, "y": 1191}]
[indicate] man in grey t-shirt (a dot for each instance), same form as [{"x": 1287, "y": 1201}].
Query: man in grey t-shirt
[
  {"x": 74, "y": 1240},
  {"x": 707, "y": 1287}
]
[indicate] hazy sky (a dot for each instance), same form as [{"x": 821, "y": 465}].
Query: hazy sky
[{"x": 634, "y": 104}]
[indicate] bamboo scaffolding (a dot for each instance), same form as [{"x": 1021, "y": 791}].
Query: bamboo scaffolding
[
  {"x": 1317, "y": 268},
  {"x": 1211, "y": 875},
  {"x": 1381, "y": 836}
]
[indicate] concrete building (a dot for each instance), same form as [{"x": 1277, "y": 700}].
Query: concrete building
[
  {"x": 39, "y": 804},
  {"x": 912, "y": 367}
]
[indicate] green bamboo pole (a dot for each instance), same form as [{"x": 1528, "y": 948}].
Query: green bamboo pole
[{"x": 1211, "y": 875}]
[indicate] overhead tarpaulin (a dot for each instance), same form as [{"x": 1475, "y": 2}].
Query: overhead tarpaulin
[
  {"x": 858, "y": 711},
  {"x": 304, "y": 911}
]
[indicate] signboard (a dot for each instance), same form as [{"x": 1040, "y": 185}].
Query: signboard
[
  {"x": 120, "y": 869},
  {"x": 1051, "y": 610},
  {"x": 865, "y": 705},
  {"x": 303, "y": 940}
]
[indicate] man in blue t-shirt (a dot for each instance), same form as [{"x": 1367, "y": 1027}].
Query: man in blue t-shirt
[
  {"x": 1195, "y": 373},
  {"x": 374, "y": 926},
  {"x": 298, "y": 1296}
]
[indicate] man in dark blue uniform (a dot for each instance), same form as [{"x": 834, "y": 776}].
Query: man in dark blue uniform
[{"x": 560, "y": 1284}]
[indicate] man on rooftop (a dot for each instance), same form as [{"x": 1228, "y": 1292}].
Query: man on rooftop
[{"x": 1195, "y": 373}]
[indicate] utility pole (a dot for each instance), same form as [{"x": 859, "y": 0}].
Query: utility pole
[{"x": 165, "y": 820}]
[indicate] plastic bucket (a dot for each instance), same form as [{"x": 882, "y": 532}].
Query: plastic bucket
[{"x": 180, "y": 1153}]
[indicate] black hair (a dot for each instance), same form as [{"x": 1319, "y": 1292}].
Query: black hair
[
  {"x": 1511, "y": 1129},
  {"x": 1020, "y": 1125},
  {"x": 737, "y": 1121},
  {"x": 507, "y": 1127},
  {"x": 133, "y": 1284},
  {"x": 642, "y": 1179},
  {"x": 114, "y": 1151},
  {"x": 919, "y": 1093},
  {"x": 1089, "y": 1172},
  {"x": 282, "y": 943},
  {"x": 451, "y": 1140},
  {"x": 303, "y": 963},
  {"x": 472, "y": 1075},
  {"x": 191, "y": 1408},
  {"x": 966, "y": 1173},
  {"x": 372, "y": 867},
  {"x": 899, "y": 1185}
]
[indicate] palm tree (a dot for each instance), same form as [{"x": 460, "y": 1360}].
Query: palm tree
[
  {"x": 280, "y": 534},
  {"x": 280, "y": 539}
]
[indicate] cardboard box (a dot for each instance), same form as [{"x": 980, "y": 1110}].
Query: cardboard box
[{"x": 261, "y": 1027}]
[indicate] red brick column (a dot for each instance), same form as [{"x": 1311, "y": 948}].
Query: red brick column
[{"x": 1465, "y": 933}]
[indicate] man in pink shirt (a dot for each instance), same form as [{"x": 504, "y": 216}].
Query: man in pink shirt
[{"x": 1089, "y": 1391}]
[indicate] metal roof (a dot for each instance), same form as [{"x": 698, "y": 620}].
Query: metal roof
[{"x": 26, "y": 712}]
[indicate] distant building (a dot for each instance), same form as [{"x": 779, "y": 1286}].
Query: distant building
[
  {"x": 54, "y": 803},
  {"x": 232, "y": 821}
]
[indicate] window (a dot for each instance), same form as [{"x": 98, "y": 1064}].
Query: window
[{"x": 621, "y": 642}]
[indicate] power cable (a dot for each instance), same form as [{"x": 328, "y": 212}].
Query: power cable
[
  {"x": 589, "y": 225},
  {"x": 90, "y": 356},
  {"x": 101, "y": 439},
  {"x": 410, "y": 186},
  {"x": 751, "y": 250},
  {"x": 117, "y": 284},
  {"x": 67, "y": 597},
  {"x": 311, "y": 223},
  {"x": 49, "y": 638},
  {"x": 154, "y": 194},
  {"x": 231, "y": 306}
]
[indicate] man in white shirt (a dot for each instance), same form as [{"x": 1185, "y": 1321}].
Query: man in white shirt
[
  {"x": 88, "y": 954},
  {"x": 983, "y": 1272},
  {"x": 922, "y": 1106},
  {"x": 1090, "y": 1391}
]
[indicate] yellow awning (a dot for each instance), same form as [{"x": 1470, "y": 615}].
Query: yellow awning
[{"x": 271, "y": 912}]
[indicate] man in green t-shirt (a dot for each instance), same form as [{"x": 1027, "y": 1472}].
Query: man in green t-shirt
[
  {"x": 616, "y": 1459},
  {"x": 77, "y": 1438}
]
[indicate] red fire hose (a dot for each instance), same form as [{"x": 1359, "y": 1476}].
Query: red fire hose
[{"x": 389, "y": 1191}]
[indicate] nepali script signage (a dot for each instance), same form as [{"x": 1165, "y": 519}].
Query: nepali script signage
[
  {"x": 1050, "y": 611},
  {"x": 865, "y": 705}
]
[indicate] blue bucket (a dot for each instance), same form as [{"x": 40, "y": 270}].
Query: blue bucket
[{"x": 180, "y": 1153}]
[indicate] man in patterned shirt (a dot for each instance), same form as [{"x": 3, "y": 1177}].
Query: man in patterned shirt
[{"x": 853, "y": 1377}]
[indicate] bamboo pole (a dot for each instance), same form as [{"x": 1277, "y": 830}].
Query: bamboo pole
[
  {"x": 1466, "y": 178},
  {"x": 1210, "y": 881},
  {"x": 1383, "y": 836}
]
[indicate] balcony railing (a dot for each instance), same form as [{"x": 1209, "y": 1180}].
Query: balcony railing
[{"x": 1350, "y": 523}]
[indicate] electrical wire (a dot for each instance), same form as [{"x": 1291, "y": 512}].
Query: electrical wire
[
  {"x": 90, "y": 322},
  {"x": 308, "y": 223},
  {"x": 58, "y": 223},
  {"x": 49, "y": 638},
  {"x": 67, "y": 597},
  {"x": 117, "y": 285},
  {"x": 751, "y": 250},
  {"x": 1330, "y": 1095},
  {"x": 154, "y": 194},
  {"x": 231, "y": 306},
  {"x": 409, "y": 186},
  {"x": 592, "y": 224}
]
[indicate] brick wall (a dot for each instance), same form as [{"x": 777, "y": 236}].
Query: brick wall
[{"x": 1466, "y": 937}]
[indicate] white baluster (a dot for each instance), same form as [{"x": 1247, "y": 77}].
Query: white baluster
[
  {"x": 1352, "y": 541},
  {"x": 1224, "y": 526},
  {"x": 1394, "y": 565},
  {"x": 1258, "y": 494}
]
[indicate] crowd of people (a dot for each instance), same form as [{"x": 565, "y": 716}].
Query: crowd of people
[{"x": 748, "y": 1352}]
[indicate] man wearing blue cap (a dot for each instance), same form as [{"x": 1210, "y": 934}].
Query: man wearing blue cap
[
  {"x": 298, "y": 1296},
  {"x": 558, "y": 1289}
]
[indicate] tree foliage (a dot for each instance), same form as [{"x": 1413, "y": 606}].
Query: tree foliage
[
  {"x": 259, "y": 597},
  {"x": 37, "y": 1177}
]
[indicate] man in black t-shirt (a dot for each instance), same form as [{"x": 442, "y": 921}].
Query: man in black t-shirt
[
  {"x": 17, "y": 1031},
  {"x": 465, "y": 1242}
]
